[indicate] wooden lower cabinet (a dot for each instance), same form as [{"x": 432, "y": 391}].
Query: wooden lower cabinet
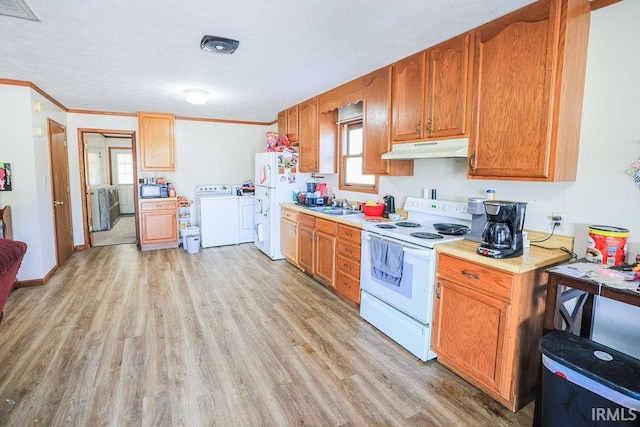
[
  {"x": 348, "y": 262},
  {"x": 325, "y": 249},
  {"x": 306, "y": 248},
  {"x": 329, "y": 252},
  {"x": 158, "y": 224},
  {"x": 289, "y": 235},
  {"x": 487, "y": 325}
]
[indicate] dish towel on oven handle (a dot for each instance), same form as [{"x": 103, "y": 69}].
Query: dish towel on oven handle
[{"x": 386, "y": 260}]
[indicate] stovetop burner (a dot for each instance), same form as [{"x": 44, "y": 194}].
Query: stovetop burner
[
  {"x": 407, "y": 224},
  {"x": 387, "y": 226},
  {"x": 423, "y": 235}
]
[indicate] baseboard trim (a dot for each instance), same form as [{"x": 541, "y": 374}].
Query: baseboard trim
[
  {"x": 80, "y": 247},
  {"x": 36, "y": 282}
]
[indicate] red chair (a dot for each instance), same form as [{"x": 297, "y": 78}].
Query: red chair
[{"x": 11, "y": 255}]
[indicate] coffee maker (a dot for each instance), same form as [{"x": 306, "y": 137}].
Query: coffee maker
[
  {"x": 502, "y": 235},
  {"x": 475, "y": 207},
  {"x": 389, "y": 206}
]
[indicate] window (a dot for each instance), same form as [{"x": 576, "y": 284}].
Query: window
[
  {"x": 121, "y": 160},
  {"x": 351, "y": 176}
]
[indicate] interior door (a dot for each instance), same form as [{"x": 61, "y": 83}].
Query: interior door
[{"x": 60, "y": 191}]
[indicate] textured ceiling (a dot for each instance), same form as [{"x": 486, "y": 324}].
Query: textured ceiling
[{"x": 128, "y": 56}]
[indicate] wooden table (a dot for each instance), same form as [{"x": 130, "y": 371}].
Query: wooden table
[{"x": 591, "y": 287}]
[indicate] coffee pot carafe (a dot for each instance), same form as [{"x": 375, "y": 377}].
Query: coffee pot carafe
[{"x": 502, "y": 235}]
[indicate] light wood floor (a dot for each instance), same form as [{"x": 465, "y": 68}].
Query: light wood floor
[
  {"x": 124, "y": 231},
  {"x": 223, "y": 337}
]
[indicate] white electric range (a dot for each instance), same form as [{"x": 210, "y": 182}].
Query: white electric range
[{"x": 398, "y": 280}]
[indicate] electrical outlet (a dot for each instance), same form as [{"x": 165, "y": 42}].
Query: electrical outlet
[{"x": 558, "y": 218}]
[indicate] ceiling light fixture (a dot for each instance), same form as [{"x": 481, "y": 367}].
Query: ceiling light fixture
[
  {"x": 196, "y": 96},
  {"x": 218, "y": 44}
]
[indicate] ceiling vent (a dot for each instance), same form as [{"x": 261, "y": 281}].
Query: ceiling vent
[
  {"x": 217, "y": 44},
  {"x": 17, "y": 9}
]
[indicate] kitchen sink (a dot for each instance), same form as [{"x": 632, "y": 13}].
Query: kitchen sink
[{"x": 334, "y": 211}]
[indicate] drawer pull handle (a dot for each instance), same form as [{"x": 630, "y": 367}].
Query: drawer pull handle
[
  {"x": 471, "y": 275},
  {"x": 346, "y": 285},
  {"x": 348, "y": 234},
  {"x": 347, "y": 266},
  {"x": 348, "y": 251},
  {"x": 438, "y": 290}
]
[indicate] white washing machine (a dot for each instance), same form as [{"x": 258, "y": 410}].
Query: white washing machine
[{"x": 218, "y": 215}]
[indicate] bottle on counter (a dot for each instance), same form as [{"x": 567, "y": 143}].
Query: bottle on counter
[
  {"x": 172, "y": 191},
  {"x": 491, "y": 194}
]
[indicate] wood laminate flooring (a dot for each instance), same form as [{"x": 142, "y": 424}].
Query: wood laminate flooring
[
  {"x": 222, "y": 337},
  {"x": 123, "y": 232}
]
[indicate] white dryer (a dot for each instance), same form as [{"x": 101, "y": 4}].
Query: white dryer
[{"x": 246, "y": 211}]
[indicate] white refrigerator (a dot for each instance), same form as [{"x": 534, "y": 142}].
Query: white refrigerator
[{"x": 276, "y": 176}]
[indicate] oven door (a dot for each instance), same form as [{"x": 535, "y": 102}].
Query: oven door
[{"x": 414, "y": 295}]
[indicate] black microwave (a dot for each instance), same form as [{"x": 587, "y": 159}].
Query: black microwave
[{"x": 153, "y": 191}]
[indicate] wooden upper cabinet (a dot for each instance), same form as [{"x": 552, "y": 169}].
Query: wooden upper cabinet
[
  {"x": 292, "y": 124},
  {"x": 156, "y": 141},
  {"x": 408, "y": 98},
  {"x": 282, "y": 123},
  {"x": 308, "y": 140},
  {"x": 376, "y": 124},
  {"x": 528, "y": 84},
  {"x": 448, "y": 88}
]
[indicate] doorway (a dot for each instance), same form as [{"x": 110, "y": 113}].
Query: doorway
[
  {"x": 108, "y": 175},
  {"x": 63, "y": 227}
]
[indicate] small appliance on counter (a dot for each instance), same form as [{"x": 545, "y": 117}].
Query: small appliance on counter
[
  {"x": 475, "y": 207},
  {"x": 502, "y": 236},
  {"x": 389, "y": 206},
  {"x": 153, "y": 191}
]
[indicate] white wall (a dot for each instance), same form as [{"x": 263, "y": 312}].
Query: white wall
[
  {"x": 28, "y": 154},
  {"x": 206, "y": 153},
  {"x": 610, "y": 142}
]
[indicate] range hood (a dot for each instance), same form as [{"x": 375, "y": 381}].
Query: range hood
[{"x": 429, "y": 149}]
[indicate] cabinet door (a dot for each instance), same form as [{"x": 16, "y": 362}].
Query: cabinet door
[
  {"x": 156, "y": 141},
  {"x": 469, "y": 332},
  {"x": 159, "y": 226},
  {"x": 408, "y": 98},
  {"x": 282, "y": 124},
  {"x": 325, "y": 258},
  {"x": 512, "y": 72},
  {"x": 306, "y": 248},
  {"x": 289, "y": 240},
  {"x": 292, "y": 124},
  {"x": 447, "y": 88},
  {"x": 328, "y": 135},
  {"x": 308, "y": 140}
]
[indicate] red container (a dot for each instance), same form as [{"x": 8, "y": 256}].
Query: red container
[{"x": 376, "y": 210}]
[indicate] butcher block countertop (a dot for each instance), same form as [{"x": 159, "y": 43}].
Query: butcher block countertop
[{"x": 532, "y": 259}]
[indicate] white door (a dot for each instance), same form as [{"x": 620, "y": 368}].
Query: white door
[{"x": 121, "y": 160}]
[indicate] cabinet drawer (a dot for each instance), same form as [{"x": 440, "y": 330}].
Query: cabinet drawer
[
  {"x": 476, "y": 276},
  {"x": 290, "y": 215},
  {"x": 349, "y": 250},
  {"x": 326, "y": 226},
  {"x": 306, "y": 220},
  {"x": 158, "y": 205},
  {"x": 348, "y": 286},
  {"x": 348, "y": 266},
  {"x": 348, "y": 233}
]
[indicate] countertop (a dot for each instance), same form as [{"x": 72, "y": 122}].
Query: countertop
[{"x": 532, "y": 259}]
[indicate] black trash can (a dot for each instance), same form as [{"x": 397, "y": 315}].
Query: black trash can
[{"x": 587, "y": 384}]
